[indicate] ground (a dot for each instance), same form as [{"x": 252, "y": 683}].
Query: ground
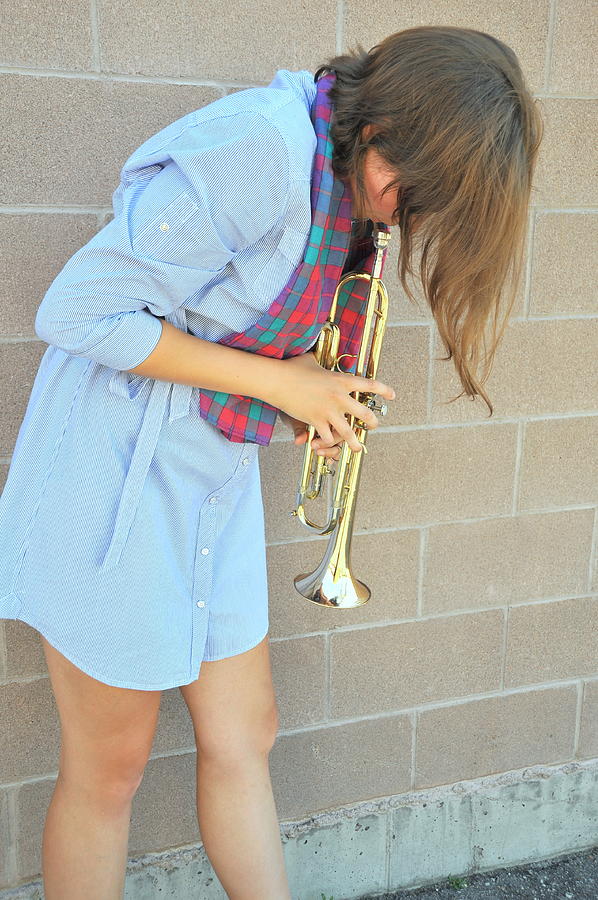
[{"x": 571, "y": 877}]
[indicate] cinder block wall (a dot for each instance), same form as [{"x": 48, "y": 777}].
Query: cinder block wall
[{"x": 477, "y": 653}]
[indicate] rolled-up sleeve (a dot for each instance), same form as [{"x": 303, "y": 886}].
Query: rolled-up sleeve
[{"x": 221, "y": 185}]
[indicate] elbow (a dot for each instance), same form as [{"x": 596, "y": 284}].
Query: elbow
[
  {"x": 47, "y": 324},
  {"x": 119, "y": 340},
  {"x": 53, "y": 326},
  {"x": 43, "y": 325}
]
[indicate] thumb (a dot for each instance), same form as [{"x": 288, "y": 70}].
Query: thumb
[{"x": 300, "y": 435}]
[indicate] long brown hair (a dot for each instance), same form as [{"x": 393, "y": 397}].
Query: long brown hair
[{"x": 455, "y": 119}]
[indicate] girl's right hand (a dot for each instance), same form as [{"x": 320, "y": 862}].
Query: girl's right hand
[{"x": 322, "y": 398}]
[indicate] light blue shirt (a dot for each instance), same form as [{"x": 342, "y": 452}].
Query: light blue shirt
[
  {"x": 132, "y": 532},
  {"x": 213, "y": 212}
]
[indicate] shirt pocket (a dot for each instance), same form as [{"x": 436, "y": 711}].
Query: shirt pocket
[{"x": 163, "y": 236}]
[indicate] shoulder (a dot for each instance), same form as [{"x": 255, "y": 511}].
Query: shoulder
[
  {"x": 269, "y": 125},
  {"x": 283, "y": 106}
]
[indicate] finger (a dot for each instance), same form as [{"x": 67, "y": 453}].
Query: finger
[
  {"x": 347, "y": 433},
  {"x": 325, "y": 434},
  {"x": 362, "y": 412},
  {"x": 384, "y": 390},
  {"x": 318, "y": 442},
  {"x": 330, "y": 452},
  {"x": 372, "y": 386},
  {"x": 333, "y": 451}
]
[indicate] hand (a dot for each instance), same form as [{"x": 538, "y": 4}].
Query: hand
[
  {"x": 314, "y": 395},
  {"x": 300, "y": 430}
]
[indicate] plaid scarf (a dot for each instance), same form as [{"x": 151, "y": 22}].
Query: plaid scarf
[{"x": 294, "y": 319}]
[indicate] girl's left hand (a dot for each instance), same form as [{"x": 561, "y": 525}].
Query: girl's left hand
[{"x": 300, "y": 430}]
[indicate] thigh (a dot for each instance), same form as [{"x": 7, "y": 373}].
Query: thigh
[
  {"x": 233, "y": 703},
  {"x": 105, "y": 729}
]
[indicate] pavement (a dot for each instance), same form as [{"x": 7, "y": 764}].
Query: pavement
[{"x": 570, "y": 877}]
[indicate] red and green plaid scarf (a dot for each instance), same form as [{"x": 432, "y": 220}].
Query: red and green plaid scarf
[{"x": 294, "y": 319}]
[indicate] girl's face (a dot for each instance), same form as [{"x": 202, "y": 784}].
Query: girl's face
[{"x": 376, "y": 175}]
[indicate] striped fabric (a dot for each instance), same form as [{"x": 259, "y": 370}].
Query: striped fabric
[
  {"x": 211, "y": 216},
  {"x": 292, "y": 322},
  {"x": 131, "y": 530}
]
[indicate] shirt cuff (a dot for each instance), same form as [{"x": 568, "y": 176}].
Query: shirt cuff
[{"x": 130, "y": 342}]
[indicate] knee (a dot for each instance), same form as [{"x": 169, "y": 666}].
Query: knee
[
  {"x": 109, "y": 780},
  {"x": 236, "y": 742},
  {"x": 269, "y": 731}
]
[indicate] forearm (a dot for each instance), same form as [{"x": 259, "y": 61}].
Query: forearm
[{"x": 185, "y": 359}]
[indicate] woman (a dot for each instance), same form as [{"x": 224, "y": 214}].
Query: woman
[{"x": 153, "y": 482}]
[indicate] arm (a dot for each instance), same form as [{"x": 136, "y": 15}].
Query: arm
[
  {"x": 223, "y": 185},
  {"x": 186, "y": 359}
]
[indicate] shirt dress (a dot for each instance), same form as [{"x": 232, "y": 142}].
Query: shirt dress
[{"x": 131, "y": 530}]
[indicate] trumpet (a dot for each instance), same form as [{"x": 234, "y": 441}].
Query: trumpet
[{"x": 332, "y": 583}]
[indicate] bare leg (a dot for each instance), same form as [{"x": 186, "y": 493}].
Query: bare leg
[
  {"x": 234, "y": 714},
  {"x": 107, "y": 734},
  {"x": 84, "y": 846},
  {"x": 239, "y": 828}
]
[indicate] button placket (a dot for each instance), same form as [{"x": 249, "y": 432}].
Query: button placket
[
  {"x": 203, "y": 577},
  {"x": 206, "y": 538},
  {"x": 210, "y": 526}
]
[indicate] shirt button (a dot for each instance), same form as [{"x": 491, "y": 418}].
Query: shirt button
[
  {"x": 164, "y": 226},
  {"x": 245, "y": 461},
  {"x": 205, "y": 550},
  {"x": 213, "y": 499},
  {"x": 201, "y": 603}
]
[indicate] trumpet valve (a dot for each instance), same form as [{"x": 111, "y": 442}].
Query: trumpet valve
[{"x": 382, "y": 408}]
